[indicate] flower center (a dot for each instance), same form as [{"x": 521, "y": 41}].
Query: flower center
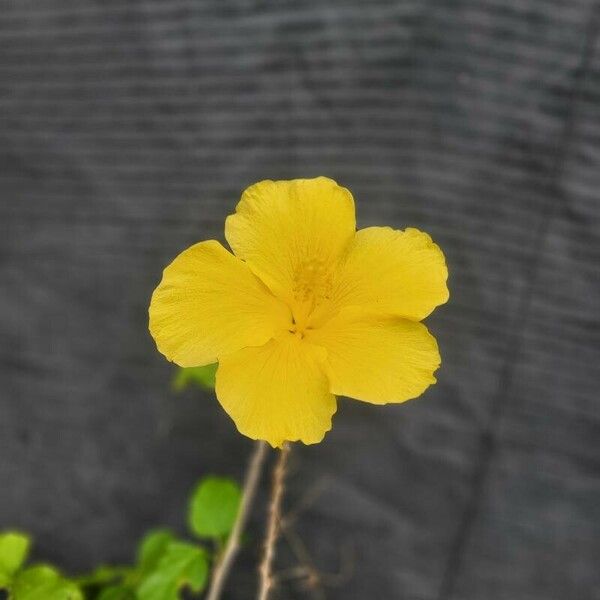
[{"x": 312, "y": 286}]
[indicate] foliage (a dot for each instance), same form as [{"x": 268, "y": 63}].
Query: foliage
[
  {"x": 39, "y": 582},
  {"x": 214, "y": 506},
  {"x": 43, "y": 582},
  {"x": 165, "y": 564},
  {"x": 201, "y": 377},
  {"x": 14, "y": 547},
  {"x": 180, "y": 565}
]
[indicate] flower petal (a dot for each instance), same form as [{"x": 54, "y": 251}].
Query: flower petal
[
  {"x": 377, "y": 359},
  {"x": 286, "y": 230},
  {"x": 393, "y": 272},
  {"x": 208, "y": 303},
  {"x": 278, "y": 392}
]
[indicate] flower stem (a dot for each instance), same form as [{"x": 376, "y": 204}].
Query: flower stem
[
  {"x": 273, "y": 525},
  {"x": 225, "y": 562}
]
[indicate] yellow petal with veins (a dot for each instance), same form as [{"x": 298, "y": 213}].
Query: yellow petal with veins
[
  {"x": 278, "y": 392},
  {"x": 393, "y": 272},
  {"x": 209, "y": 303},
  {"x": 292, "y": 234},
  {"x": 377, "y": 359}
]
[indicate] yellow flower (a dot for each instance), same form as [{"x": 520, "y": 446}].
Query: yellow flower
[{"x": 305, "y": 309}]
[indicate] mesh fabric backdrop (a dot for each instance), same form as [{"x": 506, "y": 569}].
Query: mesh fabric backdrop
[{"x": 127, "y": 132}]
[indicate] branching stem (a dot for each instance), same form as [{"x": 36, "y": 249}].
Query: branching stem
[
  {"x": 225, "y": 561},
  {"x": 273, "y": 526}
]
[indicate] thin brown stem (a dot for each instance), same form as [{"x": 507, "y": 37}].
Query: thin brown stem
[
  {"x": 225, "y": 562},
  {"x": 273, "y": 526}
]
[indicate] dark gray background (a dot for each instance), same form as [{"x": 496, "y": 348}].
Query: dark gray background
[{"x": 129, "y": 129}]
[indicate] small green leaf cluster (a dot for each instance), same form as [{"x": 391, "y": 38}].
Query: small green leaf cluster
[
  {"x": 37, "y": 582},
  {"x": 166, "y": 564}
]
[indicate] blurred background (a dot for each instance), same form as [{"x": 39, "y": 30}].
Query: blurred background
[{"x": 128, "y": 131}]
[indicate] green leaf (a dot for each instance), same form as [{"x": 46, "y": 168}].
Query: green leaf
[
  {"x": 117, "y": 592},
  {"x": 152, "y": 547},
  {"x": 5, "y": 580},
  {"x": 44, "y": 583},
  {"x": 214, "y": 507},
  {"x": 202, "y": 377},
  {"x": 104, "y": 575},
  {"x": 14, "y": 547},
  {"x": 182, "y": 565}
]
